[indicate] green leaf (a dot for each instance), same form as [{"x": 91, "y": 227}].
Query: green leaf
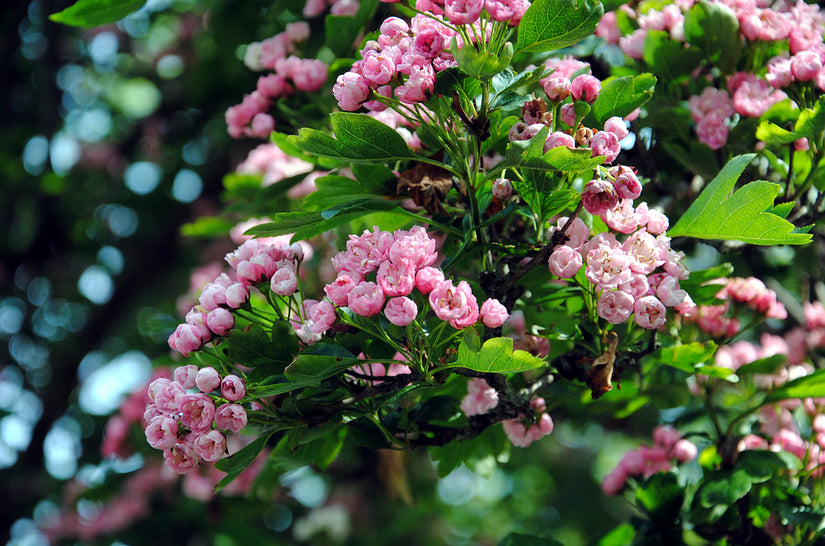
[
  {"x": 553, "y": 24},
  {"x": 520, "y": 539},
  {"x": 718, "y": 213},
  {"x": 358, "y": 139},
  {"x": 669, "y": 58},
  {"x": 802, "y": 387},
  {"x": 342, "y": 30},
  {"x": 207, "y": 226},
  {"x": 237, "y": 463},
  {"x": 771, "y": 133},
  {"x": 620, "y": 96},
  {"x": 768, "y": 365},
  {"x": 683, "y": 357},
  {"x": 724, "y": 488},
  {"x": 253, "y": 347},
  {"x": 93, "y": 13},
  {"x": 620, "y": 536},
  {"x": 335, "y": 190},
  {"x": 715, "y": 29},
  {"x": 811, "y": 121},
  {"x": 761, "y": 465},
  {"x": 700, "y": 159},
  {"x": 481, "y": 65},
  {"x": 454, "y": 79},
  {"x": 327, "y": 361},
  {"x": 496, "y": 355},
  {"x": 661, "y": 496}
]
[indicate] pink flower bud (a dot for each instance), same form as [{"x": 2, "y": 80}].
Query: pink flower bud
[
  {"x": 684, "y": 451},
  {"x": 606, "y": 144},
  {"x": 220, "y": 321},
  {"x": 564, "y": 262},
  {"x": 599, "y": 196},
  {"x": 617, "y": 126},
  {"x": 625, "y": 182},
  {"x": 338, "y": 290},
  {"x": 181, "y": 457},
  {"x": 480, "y": 398},
  {"x": 284, "y": 282},
  {"x": 666, "y": 436},
  {"x": 502, "y": 188},
  {"x": 262, "y": 125},
  {"x": 162, "y": 432},
  {"x": 351, "y": 90},
  {"x": 649, "y": 312},
  {"x": 557, "y": 88},
  {"x": 615, "y": 306},
  {"x": 207, "y": 379},
  {"x": 557, "y": 138},
  {"x": 585, "y": 87},
  {"x": 427, "y": 278},
  {"x": 232, "y": 388},
  {"x": 211, "y": 446},
  {"x": 493, "y": 313},
  {"x": 365, "y": 299},
  {"x": 231, "y": 417},
  {"x": 463, "y": 12},
  {"x": 236, "y": 295},
  {"x": 567, "y": 114},
  {"x": 197, "y": 411},
  {"x": 401, "y": 311},
  {"x": 185, "y": 375}
]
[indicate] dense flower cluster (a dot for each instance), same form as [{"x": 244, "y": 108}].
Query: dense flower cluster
[
  {"x": 405, "y": 57},
  {"x": 528, "y": 428},
  {"x": 291, "y": 73},
  {"x": 645, "y": 461},
  {"x": 184, "y": 420},
  {"x": 402, "y": 262},
  {"x": 797, "y": 26},
  {"x": 750, "y": 293},
  {"x": 253, "y": 263}
]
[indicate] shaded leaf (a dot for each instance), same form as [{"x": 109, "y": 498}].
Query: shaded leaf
[
  {"x": 715, "y": 29},
  {"x": 802, "y": 387},
  {"x": 237, "y": 463}
]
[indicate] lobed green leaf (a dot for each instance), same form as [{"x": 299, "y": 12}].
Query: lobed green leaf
[{"x": 553, "y": 24}]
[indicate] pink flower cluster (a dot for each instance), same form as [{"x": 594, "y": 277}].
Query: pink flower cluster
[
  {"x": 638, "y": 276},
  {"x": 748, "y": 292},
  {"x": 291, "y": 73},
  {"x": 405, "y": 57},
  {"x": 182, "y": 413},
  {"x": 253, "y": 263},
  {"x": 711, "y": 111},
  {"x": 528, "y": 428},
  {"x": 402, "y": 262},
  {"x": 645, "y": 461},
  {"x": 272, "y": 163},
  {"x": 780, "y": 426},
  {"x": 480, "y": 398}
]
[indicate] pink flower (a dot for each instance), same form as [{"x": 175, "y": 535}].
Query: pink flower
[
  {"x": 337, "y": 290},
  {"x": 401, "y": 311},
  {"x": 684, "y": 451},
  {"x": 232, "y": 388},
  {"x": 185, "y": 339},
  {"x": 669, "y": 291},
  {"x": 185, "y": 375},
  {"x": 211, "y": 446},
  {"x": 284, "y": 281},
  {"x": 451, "y": 303},
  {"x": 625, "y": 182},
  {"x": 805, "y": 65},
  {"x": 220, "y": 321},
  {"x": 365, "y": 299},
  {"x": 351, "y": 90},
  {"x": 396, "y": 278},
  {"x": 502, "y": 188},
  {"x": 606, "y": 144},
  {"x": 567, "y": 114},
  {"x": 615, "y": 306},
  {"x": 197, "y": 411},
  {"x": 577, "y": 233},
  {"x": 236, "y": 295},
  {"x": 162, "y": 432},
  {"x": 427, "y": 278},
  {"x": 480, "y": 398},
  {"x": 208, "y": 379},
  {"x": 585, "y": 87},
  {"x": 166, "y": 395},
  {"x": 614, "y": 482},
  {"x": 418, "y": 87},
  {"x": 557, "y": 88},
  {"x": 377, "y": 68},
  {"x": 493, "y": 313},
  {"x": 649, "y": 312},
  {"x": 564, "y": 262},
  {"x": 557, "y": 138},
  {"x": 310, "y": 76},
  {"x": 599, "y": 196},
  {"x": 262, "y": 125},
  {"x": 320, "y": 315},
  {"x": 617, "y": 126},
  {"x": 212, "y": 296},
  {"x": 463, "y": 12},
  {"x": 231, "y": 417},
  {"x": 181, "y": 457}
]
